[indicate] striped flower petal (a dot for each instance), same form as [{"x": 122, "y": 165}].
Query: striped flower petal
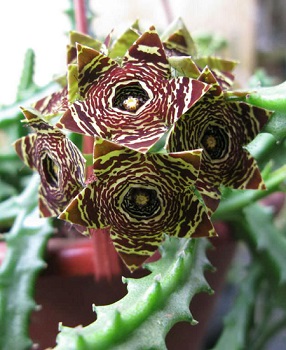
[
  {"x": 58, "y": 161},
  {"x": 182, "y": 53},
  {"x": 58, "y": 101},
  {"x": 178, "y": 41},
  {"x": 221, "y": 128},
  {"x": 123, "y": 42},
  {"x": 53, "y": 104},
  {"x": 134, "y": 103},
  {"x": 141, "y": 196}
]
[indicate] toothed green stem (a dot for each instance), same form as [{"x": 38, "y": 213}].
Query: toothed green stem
[
  {"x": 142, "y": 319},
  {"x": 27, "y": 86},
  {"x": 238, "y": 320},
  {"x": 12, "y": 112},
  {"x": 26, "y": 243},
  {"x": 237, "y": 200}
]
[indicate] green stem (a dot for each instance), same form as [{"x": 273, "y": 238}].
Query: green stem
[
  {"x": 153, "y": 304},
  {"x": 237, "y": 200},
  {"x": 268, "y": 333},
  {"x": 262, "y": 146},
  {"x": 238, "y": 321},
  {"x": 23, "y": 261},
  {"x": 12, "y": 113}
]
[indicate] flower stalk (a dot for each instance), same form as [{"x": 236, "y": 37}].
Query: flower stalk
[{"x": 106, "y": 262}]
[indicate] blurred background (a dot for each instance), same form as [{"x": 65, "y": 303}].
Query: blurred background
[{"x": 254, "y": 31}]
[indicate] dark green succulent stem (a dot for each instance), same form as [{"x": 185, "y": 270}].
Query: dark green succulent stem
[
  {"x": 262, "y": 147},
  {"x": 254, "y": 226},
  {"x": 26, "y": 243},
  {"x": 12, "y": 113},
  {"x": 27, "y": 84},
  {"x": 236, "y": 200},
  {"x": 268, "y": 332},
  {"x": 152, "y": 306},
  {"x": 240, "y": 317}
]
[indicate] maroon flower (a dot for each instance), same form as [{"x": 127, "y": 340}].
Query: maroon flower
[
  {"x": 141, "y": 196},
  {"x": 221, "y": 127},
  {"x": 134, "y": 103},
  {"x": 58, "y": 161}
]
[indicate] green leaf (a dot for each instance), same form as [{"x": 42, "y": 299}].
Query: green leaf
[
  {"x": 27, "y": 86},
  {"x": 209, "y": 43},
  {"x": 12, "y": 113},
  {"x": 13, "y": 206},
  {"x": 26, "y": 243},
  {"x": 272, "y": 98},
  {"x": 152, "y": 306},
  {"x": 267, "y": 240},
  {"x": 237, "y": 322},
  {"x": 6, "y": 190},
  {"x": 236, "y": 200}
]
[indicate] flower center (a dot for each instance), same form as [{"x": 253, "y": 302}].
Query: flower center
[
  {"x": 129, "y": 97},
  {"x": 215, "y": 142},
  {"x": 131, "y": 104},
  {"x": 141, "y": 203},
  {"x": 50, "y": 170},
  {"x": 210, "y": 142}
]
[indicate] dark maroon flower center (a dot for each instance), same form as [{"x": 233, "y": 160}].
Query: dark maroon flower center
[
  {"x": 141, "y": 203},
  {"x": 215, "y": 142},
  {"x": 129, "y": 97}
]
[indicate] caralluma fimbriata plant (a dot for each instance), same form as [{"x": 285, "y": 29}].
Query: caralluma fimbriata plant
[{"x": 174, "y": 149}]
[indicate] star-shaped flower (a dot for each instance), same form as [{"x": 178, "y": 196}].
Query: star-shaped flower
[
  {"x": 58, "y": 161},
  {"x": 133, "y": 103},
  {"x": 221, "y": 127},
  {"x": 141, "y": 196}
]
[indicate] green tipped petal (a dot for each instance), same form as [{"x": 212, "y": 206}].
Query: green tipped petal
[
  {"x": 91, "y": 65},
  {"x": 222, "y": 128},
  {"x": 123, "y": 43},
  {"x": 141, "y": 196},
  {"x": 177, "y": 40},
  {"x": 134, "y": 104},
  {"x": 58, "y": 161}
]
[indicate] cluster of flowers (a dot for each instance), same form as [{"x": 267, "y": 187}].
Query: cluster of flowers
[{"x": 167, "y": 134}]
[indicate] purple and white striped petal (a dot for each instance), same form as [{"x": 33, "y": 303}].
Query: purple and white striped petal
[
  {"x": 141, "y": 196},
  {"x": 133, "y": 104},
  {"x": 58, "y": 161},
  {"x": 221, "y": 127}
]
